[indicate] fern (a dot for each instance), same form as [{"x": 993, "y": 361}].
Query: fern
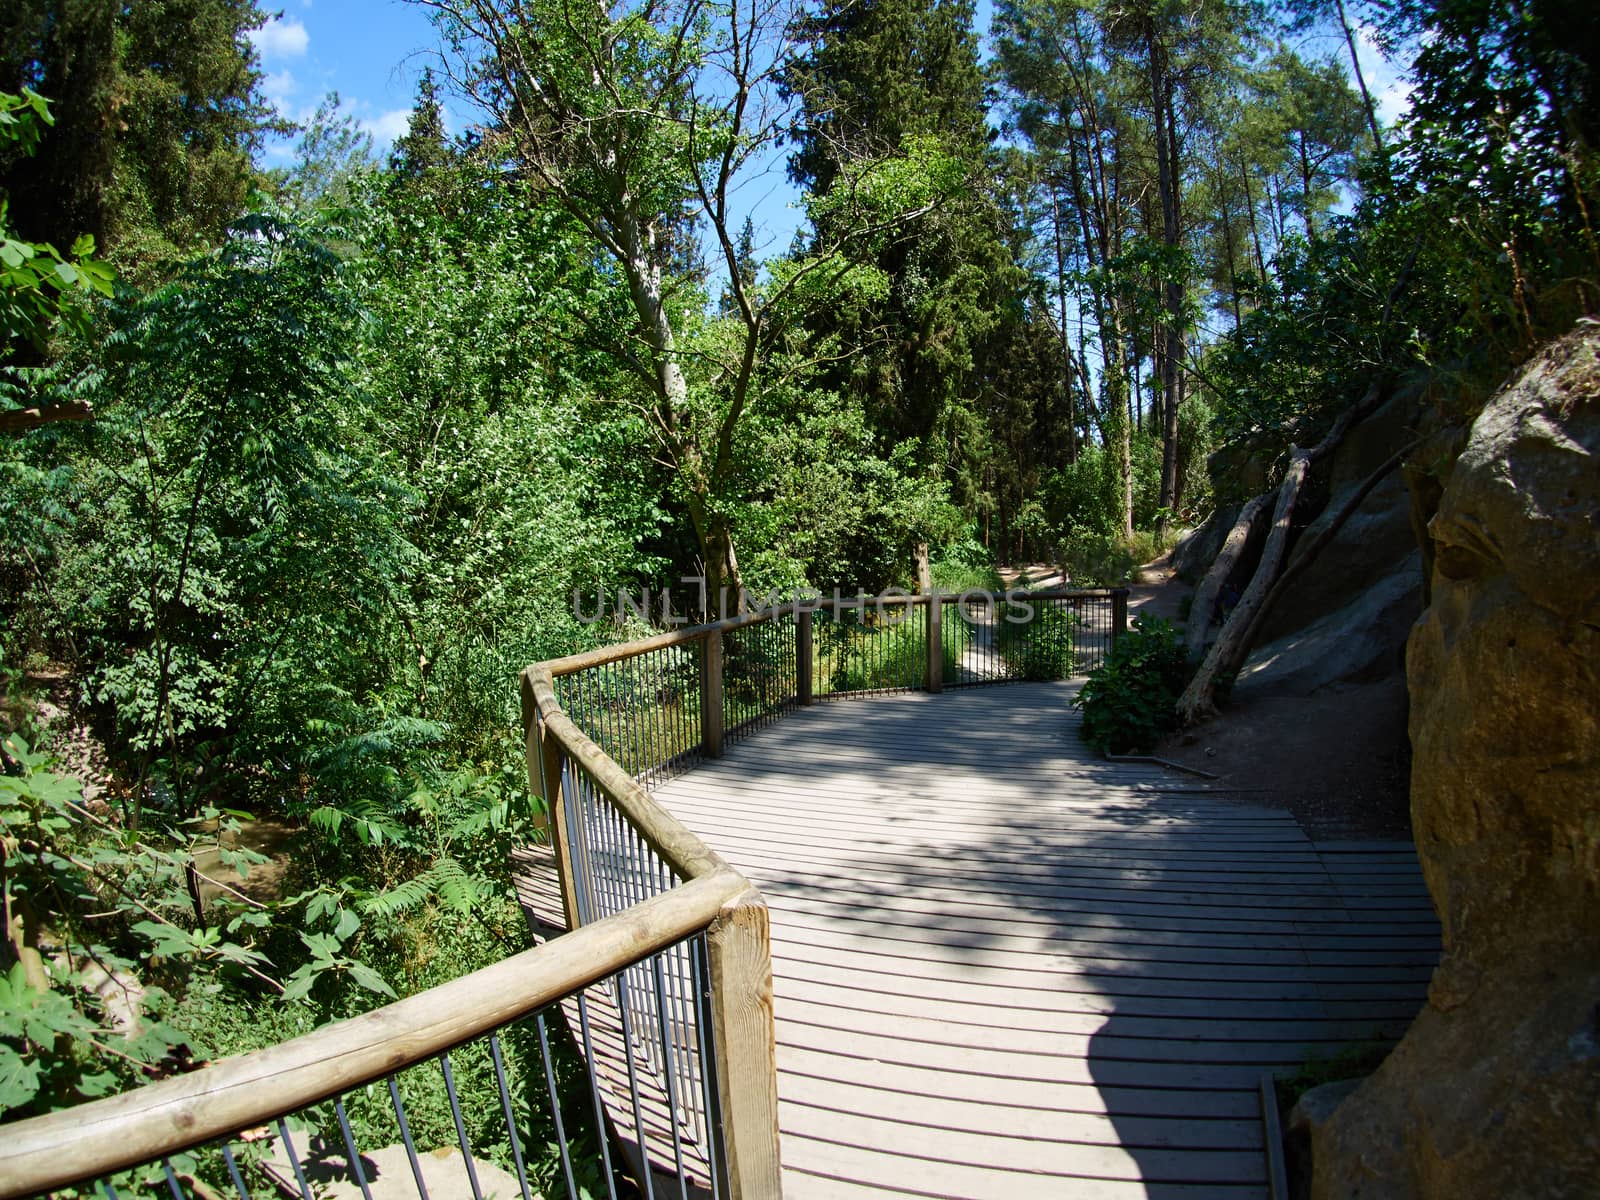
[{"x": 446, "y": 881}]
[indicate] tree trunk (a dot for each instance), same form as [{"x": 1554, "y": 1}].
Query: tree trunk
[
  {"x": 711, "y": 529},
  {"x": 1255, "y": 229},
  {"x": 1226, "y": 655},
  {"x": 1309, "y": 550},
  {"x": 1167, "y": 183},
  {"x": 1199, "y": 698},
  {"x": 1361, "y": 83},
  {"x": 1305, "y": 188},
  {"x": 1204, "y": 604},
  {"x": 1061, "y": 302}
]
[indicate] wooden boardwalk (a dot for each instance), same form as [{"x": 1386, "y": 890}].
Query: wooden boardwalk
[{"x": 1005, "y": 968}]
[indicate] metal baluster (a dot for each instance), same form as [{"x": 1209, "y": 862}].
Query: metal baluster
[
  {"x": 172, "y": 1180},
  {"x": 111, "y": 1192},
  {"x": 667, "y": 1073},
  {"x": 461, "y": 1127},
  {"x": 594, "y": 1092},
  {"x": 682, "y": 1054},
  {"x": 639, "y": 858},
  {"x": 555, "y": 1110},
  {"x": 350, "y": 1149},
  {"x": 233, "y": 1170},
  {"x": 505, "y": 1107},
  {"x": 716, "y": 1152},
  {"x": 405, "y": 1137},
  {"x": 578, "y": 853},
  {"x": 294, "y": 1159},
  {"x": 653, "y": 724},
  {"x": 633, "y": 1088},
  {"x": 605, "y": 892}
]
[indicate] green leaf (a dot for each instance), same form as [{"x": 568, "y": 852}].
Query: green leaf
[{"x": 370, "y": 979}]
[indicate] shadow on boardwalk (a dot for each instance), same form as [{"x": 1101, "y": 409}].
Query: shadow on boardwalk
[{"x": 1007, "y": 968}]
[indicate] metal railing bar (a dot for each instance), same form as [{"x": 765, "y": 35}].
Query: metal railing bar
[
  {"x": 461, "y": 1126},
  {"x": 594, "y": 1092},
  {"x": 294, "y": 1159},
  {"x": 668, "y": 1071},
  {"x": 350, "y": 1148},
  {"x": 555, "y": 1107},
  {"x": 657, "y": 748},
  {"x": 716, "y": 1150},
  {"x": 405, "y": 1137},
  {"x": 233, "y": 1172},
  {"x": 511, "y": 1120},
  {"x": 633, "y": 1091},
  {"x": 172, "y": 1180},
  {"x": 683, "y": 1058}
]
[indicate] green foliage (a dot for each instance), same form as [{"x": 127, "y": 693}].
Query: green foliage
[
  {"x": 965, "y": 565},
  {"x": 38, "y": 286},
  {"x": 158, "y": 111},
  {"x": 252, "y": 557},
  {"x": 866, "y": 650},
  {"x": 1039, "y": 646},
  {"x": 102, "y": 935},
  {"x": 1130, "y": 701}
]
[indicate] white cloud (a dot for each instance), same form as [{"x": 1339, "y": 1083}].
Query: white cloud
[
  {"x": 279, "y": 39},
  {"x": 387, "y": 127},
  {"x": 279, "y": 89}
]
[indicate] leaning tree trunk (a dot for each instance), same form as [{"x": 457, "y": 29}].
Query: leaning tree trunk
[
  {"x": 1204, "y": 604},
  {"x": 1226, "y": 655},
  {"x": 1199, "y": 698}
]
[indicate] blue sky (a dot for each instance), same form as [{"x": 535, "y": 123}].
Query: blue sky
[{"x": 372, "y": 53}]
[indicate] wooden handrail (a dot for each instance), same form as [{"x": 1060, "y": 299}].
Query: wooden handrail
[
  {"x": 601, "y": 655},
  {"x": 666, "y": 835},
  {"x": 104, "y": 1136}
]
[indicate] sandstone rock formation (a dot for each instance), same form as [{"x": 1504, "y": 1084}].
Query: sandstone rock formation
[{"x": 1495, "y": 1090}]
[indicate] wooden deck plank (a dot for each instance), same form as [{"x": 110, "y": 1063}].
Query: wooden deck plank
[{"x": 1006, "y": 968}]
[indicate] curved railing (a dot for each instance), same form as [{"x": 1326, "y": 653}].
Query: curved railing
[
  {"x": 214, "y": 1107},
  {"x": 662, "y": 704},
  {"x": 664, "y": 978}
]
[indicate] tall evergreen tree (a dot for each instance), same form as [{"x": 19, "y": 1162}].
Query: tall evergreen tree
[
  {"x": 872, "y": 80},
  {"x": 157, "y": 115}
]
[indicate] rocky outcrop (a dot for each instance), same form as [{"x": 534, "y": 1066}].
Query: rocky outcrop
[
  {"x": 1357, "y": 642},
  {"x": 1495, "y": 1089}
]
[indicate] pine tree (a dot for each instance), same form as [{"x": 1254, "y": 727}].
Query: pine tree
[
  {"x": 870, "y": 79},
  {"x": 157, "y": 114}
]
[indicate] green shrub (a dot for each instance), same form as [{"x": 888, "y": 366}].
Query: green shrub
[
  {"x": 1044, "y": 648},
  {"x": 1131, "y": 701}
]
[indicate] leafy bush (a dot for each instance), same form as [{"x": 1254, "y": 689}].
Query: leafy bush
[
  {"x": 1043, "y": 648},
  {"x": 1131, "y": 701}
]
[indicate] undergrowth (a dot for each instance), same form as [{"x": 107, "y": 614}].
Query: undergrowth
[{"x": 1131, "y": 701}]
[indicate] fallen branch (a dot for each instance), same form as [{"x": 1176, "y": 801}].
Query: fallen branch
[
  {"x": 1204, "y": 605},
  {"x": 1314, "y": 546},
  {"x": 20, "y": 420},
  {"x": 1199, "y": 698}
]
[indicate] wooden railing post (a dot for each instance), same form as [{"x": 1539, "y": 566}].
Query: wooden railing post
[
  {"x": 1119, "y": 614},
  {"x": 711, "y": 695},
  {"x": 546, "y": 763},
  {"x": 740, "y": 959},
  {"x": 935, "y": 643},
  {"x": 802, "y": 656}
]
